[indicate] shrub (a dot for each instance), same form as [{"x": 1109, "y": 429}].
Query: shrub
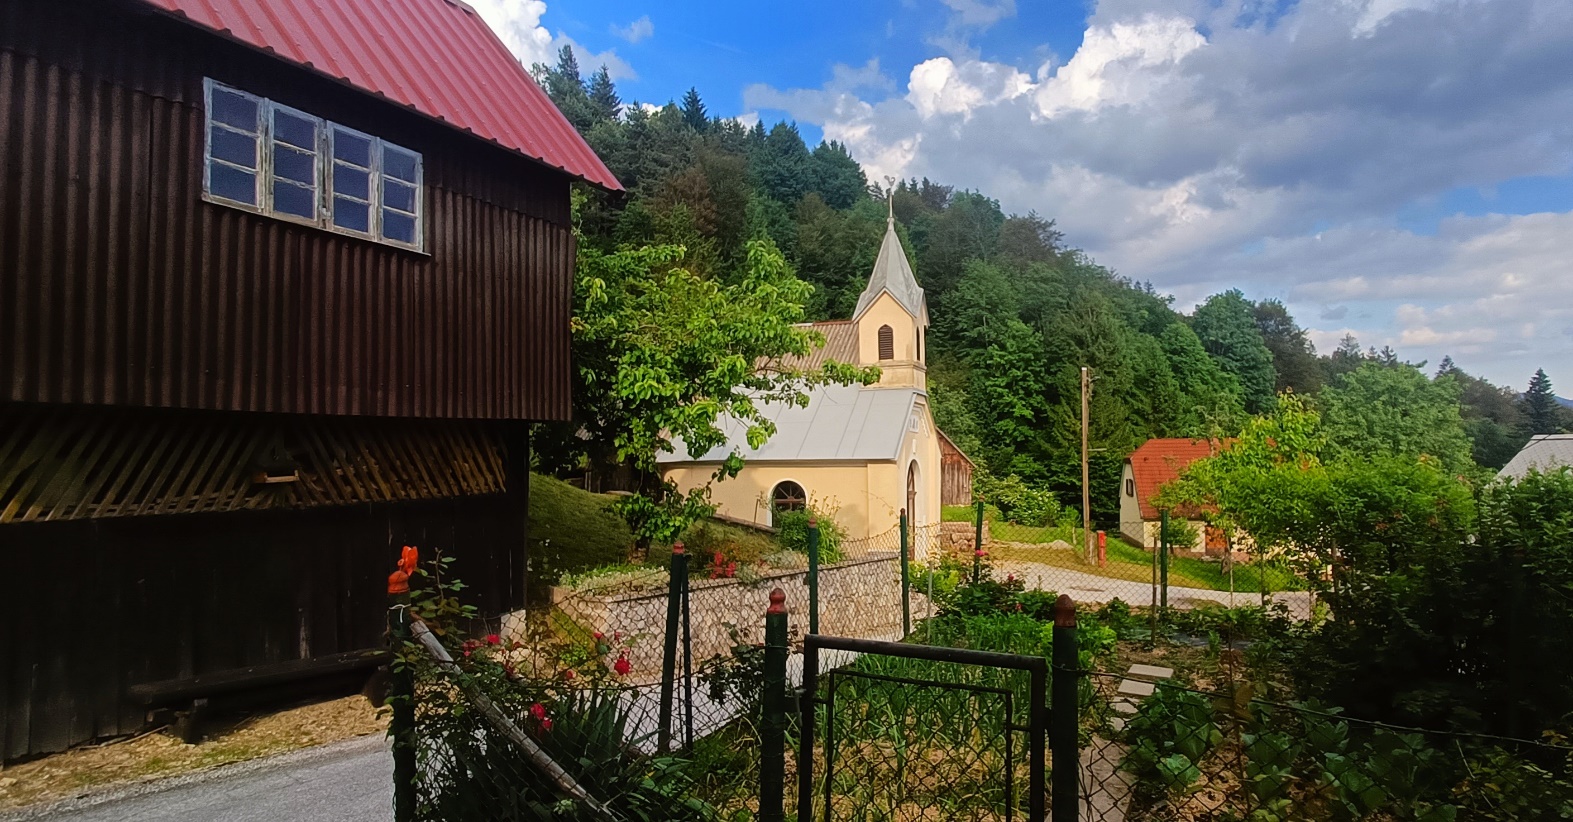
[
  {"x": 792, "y": 532},
  {"x": 1020, "y": 503}
]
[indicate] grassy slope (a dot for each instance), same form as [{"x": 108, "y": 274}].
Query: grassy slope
[{"x": 572, "y": 530}]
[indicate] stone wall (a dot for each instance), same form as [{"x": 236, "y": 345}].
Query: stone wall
[{"x": 858, "y": 598}]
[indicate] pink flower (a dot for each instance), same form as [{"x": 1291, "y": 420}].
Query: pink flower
[
  {"x": 598, "y": 636},
  {"x": 493, "y": 639},
  {"x": 622, "y": 665},
  {"x": 617, "y": 636},
  {"x": 568, "y": 674},
  {"x": 1010, "y": 577}
]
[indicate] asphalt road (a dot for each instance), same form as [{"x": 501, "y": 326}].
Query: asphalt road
[{"x": 349, "y": 781}]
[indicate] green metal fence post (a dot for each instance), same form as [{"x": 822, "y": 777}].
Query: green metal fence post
[
  {"x": 676, "y": 582},
  {"x": 1064, "y": 716},
  {"x": 906, "y": 597},
  {"x": 772, "y": 754},
  {"x": 977, "y": 538},
  {"x": 1163, "y": 560},
  {"x": 401, "y": 726},
  {"x": 813, "y": 575}
]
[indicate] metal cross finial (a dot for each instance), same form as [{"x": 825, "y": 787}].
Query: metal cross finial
[{"x": 890, "y": 200}]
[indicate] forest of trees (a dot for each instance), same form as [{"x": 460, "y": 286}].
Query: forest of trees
[{"x": 1016, "y": 311}]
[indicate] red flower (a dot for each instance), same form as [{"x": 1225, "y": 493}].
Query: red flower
[
  {"x": 568, "y": 674},
  {"x": 538, "y": 711},
  {"x": 546, "y": 724},
  {"x": 617, "y": 637},
  {"x": 980, "y": 552},
  {"x": 622, "y": 665},
  {"x": 598, "y": 636},
  {"x": 493, "y": 639}
]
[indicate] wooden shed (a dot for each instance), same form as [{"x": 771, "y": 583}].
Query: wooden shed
[
  {"x": 955, "y": 473},
  {"x": 277, "y": 297}
]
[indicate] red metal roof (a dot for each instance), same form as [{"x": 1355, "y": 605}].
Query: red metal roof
[
  {"x": 437, "y": 57},
  {"x": 1159, "y": 461}
]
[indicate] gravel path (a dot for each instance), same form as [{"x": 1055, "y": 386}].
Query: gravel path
[{"x": 1085, "y": 587}]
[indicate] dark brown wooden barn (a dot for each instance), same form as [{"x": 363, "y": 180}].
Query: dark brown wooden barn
[{"x": 277, "y": 297}]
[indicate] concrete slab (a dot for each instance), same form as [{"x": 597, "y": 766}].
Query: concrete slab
[
  {"x": 1117, "y": 723},
  {"x": 1123, "y": 706},
  {"x": 1131, "y": 687},
  {"x": 1151, "y": 671}
]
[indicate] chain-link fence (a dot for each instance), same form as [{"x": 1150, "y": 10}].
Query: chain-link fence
[
  {"x": 1158, "y": 751},
  {"x": 1159, "y": 564}
]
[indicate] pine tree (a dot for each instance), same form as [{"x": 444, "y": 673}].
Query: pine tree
[
  {"x": 1226, "y": 325},
  {"x": 1447, "y": 368},
  {"x": 566, "y": 88},
  {"x": 694, "y": 110},
  {"x": 1541, "y": 413},
  {"x": 603, "y": 96}
]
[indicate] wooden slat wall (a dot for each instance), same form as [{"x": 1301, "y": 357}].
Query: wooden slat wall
[
  {"x": 97, "y": 606},
  {"x": 120, "y": 286},
  {"x": 82, "y": 462}
]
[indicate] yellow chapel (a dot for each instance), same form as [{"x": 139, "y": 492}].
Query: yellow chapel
[{"x": 859, "y": 453}]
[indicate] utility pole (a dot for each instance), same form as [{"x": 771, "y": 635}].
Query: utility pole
[{"x": 1086, "y": 491}]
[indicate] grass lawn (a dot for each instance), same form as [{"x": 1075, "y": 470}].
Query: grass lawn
[{"x": 1127, "y": 562}]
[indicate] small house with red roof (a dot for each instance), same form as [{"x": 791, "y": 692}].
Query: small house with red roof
[
  {"x": 1152, "y": 465},
  {"x": 283, "y": 283}
]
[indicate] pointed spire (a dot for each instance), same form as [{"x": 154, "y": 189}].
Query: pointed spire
[
  {"x": 890, "y": 206},
  {"x": 893, "y": 273}
]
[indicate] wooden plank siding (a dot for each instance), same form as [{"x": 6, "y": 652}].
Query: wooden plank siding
[
  {"x": 120, "y": 286},
  {"x": 111, "y": 603}
]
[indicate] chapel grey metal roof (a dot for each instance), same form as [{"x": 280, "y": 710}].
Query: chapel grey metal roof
[
  {"x": 1543, "y": 452},
  {"x": 840, "y": 422},
  {"x": 892, "y": 273}
]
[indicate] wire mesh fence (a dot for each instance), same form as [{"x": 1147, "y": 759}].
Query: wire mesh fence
[
  {"x": 1140, "y": 563},
  {"x": 1185, "y": 754}
]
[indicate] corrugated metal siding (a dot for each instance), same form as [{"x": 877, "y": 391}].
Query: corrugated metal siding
[
  {"x": 119, "y": 285},
  {"x": 434, "y": 56}
]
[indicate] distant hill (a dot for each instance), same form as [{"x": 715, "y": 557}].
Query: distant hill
[{"x": 1564, "y": 402}]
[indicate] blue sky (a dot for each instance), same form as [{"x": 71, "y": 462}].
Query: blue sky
[{"x": 1397, "y": 169}]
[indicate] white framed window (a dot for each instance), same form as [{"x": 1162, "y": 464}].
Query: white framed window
[{"x": 269, "y": 158}]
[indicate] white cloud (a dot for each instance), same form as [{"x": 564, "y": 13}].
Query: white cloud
[
  {"x": 1200, "y": 145},
  {"x": 635, "y": 31},
  {"x": 518, "y": 24},
  {"x": 1119, "y": 64},
  {"x": 939, "y": 86}
]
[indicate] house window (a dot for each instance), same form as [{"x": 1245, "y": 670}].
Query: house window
[
  {"x": 887, "y": 343},
  {"x": 266, "y": 157},
  {"x": 787, "y": 496},
  {"x": 1130, "y": 488}
]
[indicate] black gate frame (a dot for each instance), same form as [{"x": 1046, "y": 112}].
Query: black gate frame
[{"x": 1037, "y": 727}]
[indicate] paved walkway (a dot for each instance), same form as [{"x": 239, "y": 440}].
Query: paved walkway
[
  {"x": 1086, "y": 587},
  {"x": 350, "y": 781}
]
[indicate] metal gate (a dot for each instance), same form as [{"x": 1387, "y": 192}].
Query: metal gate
[{"x": 914, "y": 732}]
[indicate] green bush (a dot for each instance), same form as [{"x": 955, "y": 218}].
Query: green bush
[
  {"x": 792, "y": 532},
  {"x": 1020, "y": 503}
]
